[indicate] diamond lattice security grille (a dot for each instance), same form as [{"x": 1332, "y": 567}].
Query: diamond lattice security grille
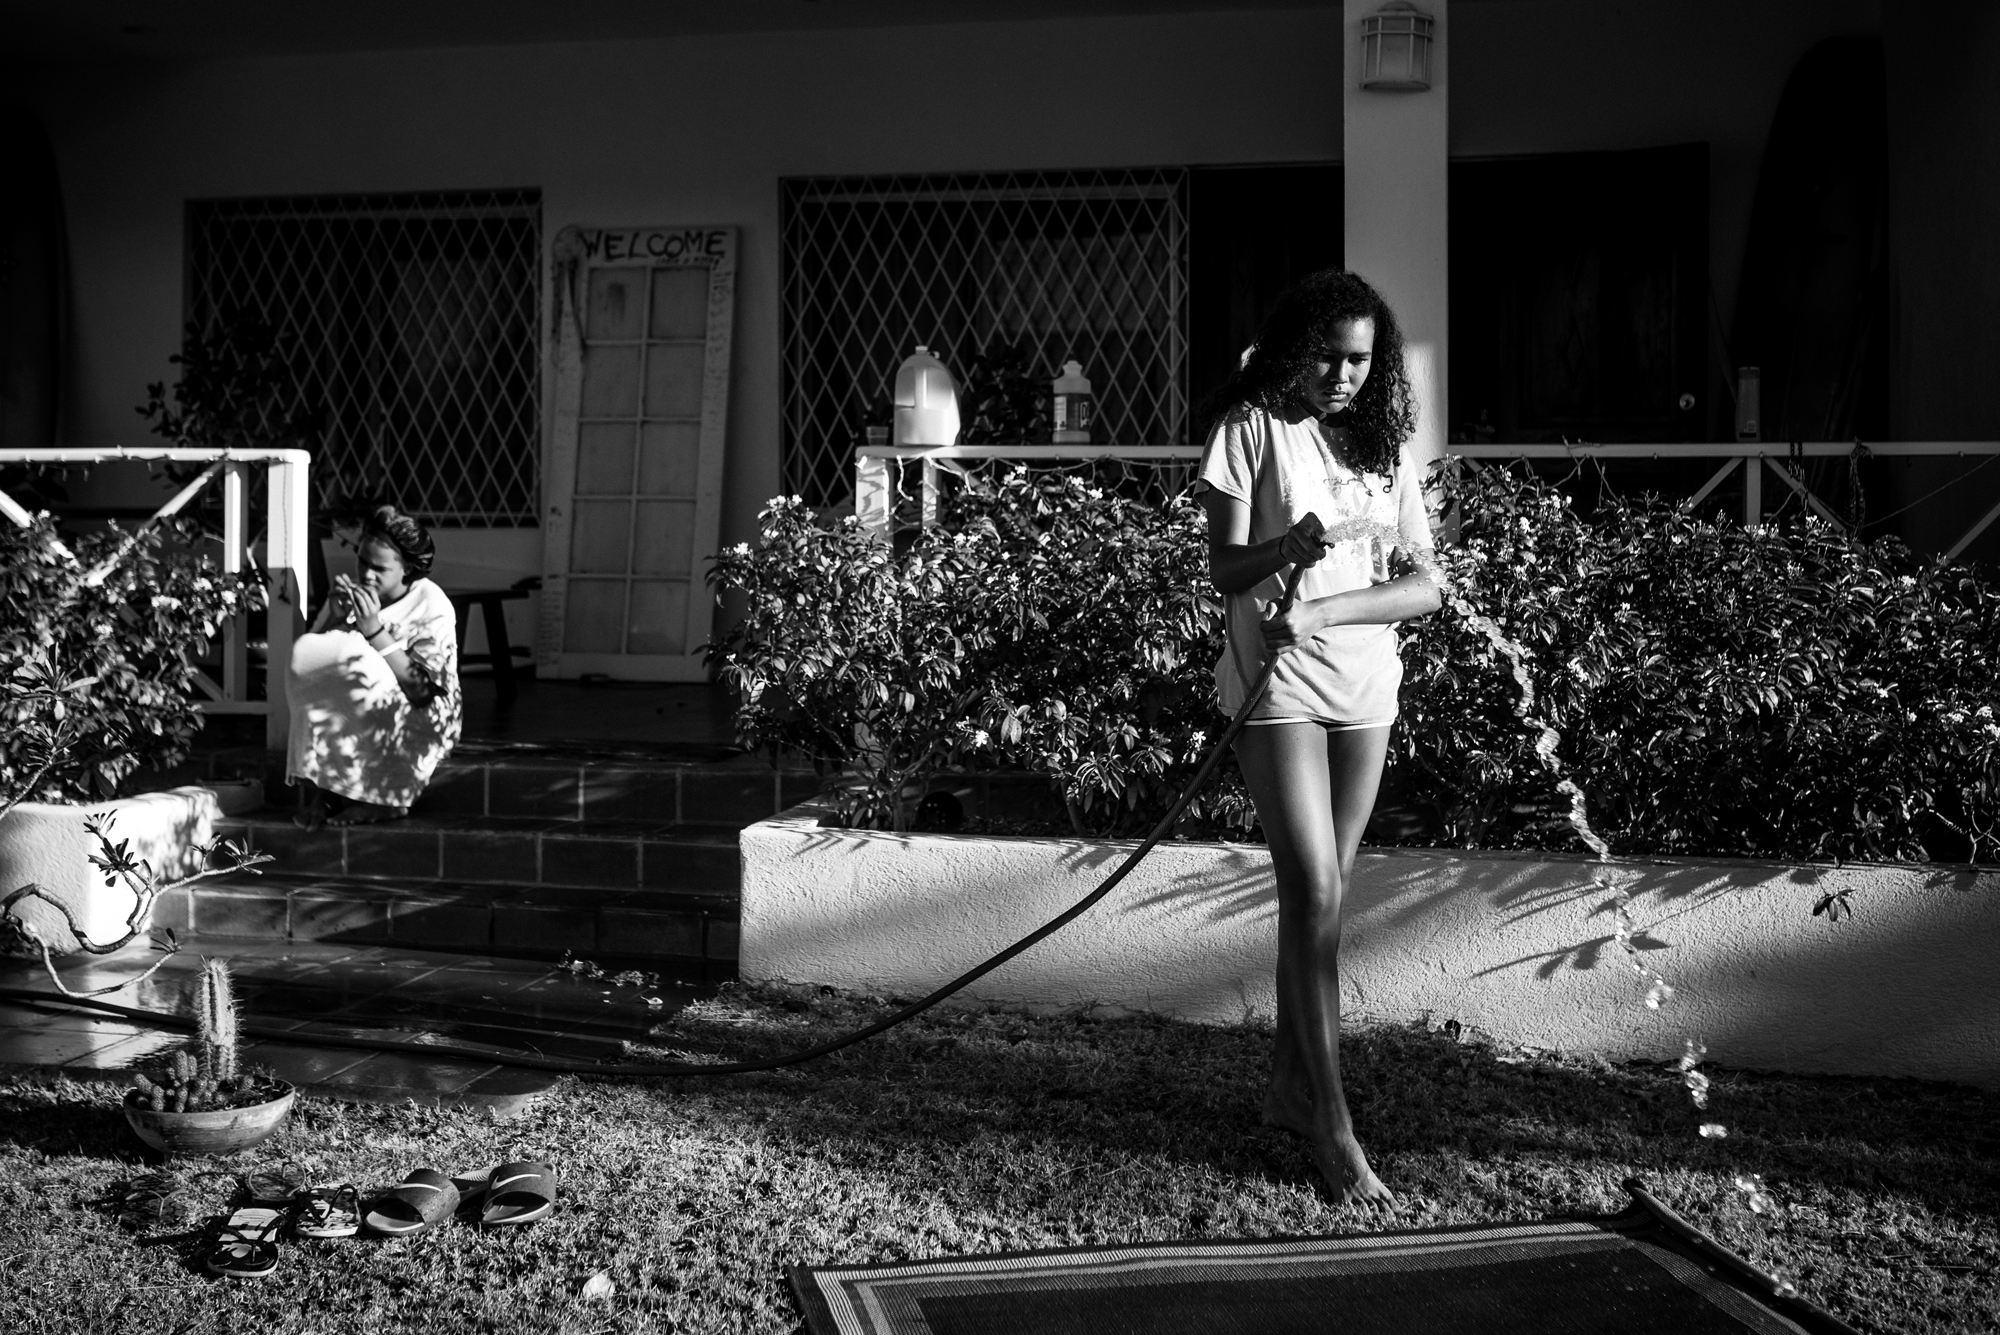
[
  {"x": 409, "y": 324},
  {"x": 1083, "y": 265}
]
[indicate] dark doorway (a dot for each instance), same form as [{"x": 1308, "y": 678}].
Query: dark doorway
[
  {"x": 1251, "y": 231},
  {"x": 1579, "y": 297}
]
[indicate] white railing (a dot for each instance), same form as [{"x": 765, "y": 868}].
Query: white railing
[
  {"x": 1762, "y": 455},
  {"x": 283, "y": 559},
  {"x": 878, "y": 468}
]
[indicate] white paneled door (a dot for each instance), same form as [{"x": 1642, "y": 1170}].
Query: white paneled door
[{"x": 633, "y": 476}]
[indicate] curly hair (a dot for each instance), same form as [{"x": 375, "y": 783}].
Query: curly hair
[
  {"x": 1283, "y": 364},
  {"x": 412, "y": 541}
]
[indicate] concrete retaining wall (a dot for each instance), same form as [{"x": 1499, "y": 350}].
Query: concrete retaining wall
[
  {"x": 47, "y": 844},
  {"x": 1519, "y": 945}
]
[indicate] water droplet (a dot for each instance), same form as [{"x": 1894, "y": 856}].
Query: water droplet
[{"x": 1755, "y": 1198}]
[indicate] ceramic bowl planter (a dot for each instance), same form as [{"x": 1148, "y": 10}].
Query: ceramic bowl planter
[{"x": 212, "y": 1131}]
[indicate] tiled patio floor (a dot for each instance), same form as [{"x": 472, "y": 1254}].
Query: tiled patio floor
[{"x": 323, "y": 990}]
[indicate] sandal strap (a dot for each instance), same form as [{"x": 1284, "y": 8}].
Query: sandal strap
[{"x": 246, "y": 1240}]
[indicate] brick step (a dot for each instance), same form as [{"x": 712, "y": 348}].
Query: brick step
[
  {"x": 503, "y": 850},
  {"x": 692, "y": 933},
  {"x": 566, "y": 783}
]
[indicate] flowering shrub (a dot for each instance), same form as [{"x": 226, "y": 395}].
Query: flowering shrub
[
  {"x": 1780, "y": 692},
  {"x": 123, "y": 646},
  {"x": 1110, "y": 632},
  {"x": 1785, "y": 692},
  {"x": 1046, "y": 626}
]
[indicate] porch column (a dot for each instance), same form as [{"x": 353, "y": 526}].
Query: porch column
[{"x": 1394, "y": 151}]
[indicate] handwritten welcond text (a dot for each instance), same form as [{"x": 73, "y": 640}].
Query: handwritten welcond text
[{"x": 663, "y": 245}]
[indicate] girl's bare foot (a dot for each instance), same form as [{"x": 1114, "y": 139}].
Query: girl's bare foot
[
  {"x": 1346, "y": 1171},
  {"x": 365, "y": 813}
]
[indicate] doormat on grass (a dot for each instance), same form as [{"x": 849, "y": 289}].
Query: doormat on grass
[{"x": 1642, "y": 1271}]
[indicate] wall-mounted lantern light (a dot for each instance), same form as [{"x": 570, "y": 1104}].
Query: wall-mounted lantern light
[{"x": 1396, "y": 48}]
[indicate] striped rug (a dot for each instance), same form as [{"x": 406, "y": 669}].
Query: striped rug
[{"x": 1634, "y": 1273}]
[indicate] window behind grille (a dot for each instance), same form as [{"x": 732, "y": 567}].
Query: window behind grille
[
  {"x": 409, "y": 324},
  {"x": 1089, "y": 265}
]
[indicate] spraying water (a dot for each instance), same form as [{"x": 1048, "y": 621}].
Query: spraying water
[{"x": 1750, "y": 1187}]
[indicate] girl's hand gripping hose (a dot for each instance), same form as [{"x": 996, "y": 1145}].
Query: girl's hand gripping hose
[
  {"x": 1304, "y": 544},
  {"x": 1301, "y": 547}
]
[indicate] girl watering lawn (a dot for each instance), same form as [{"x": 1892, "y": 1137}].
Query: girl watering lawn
[
  {"x": 1311, "y": 430},
  {"x": 374, "y": 687}
]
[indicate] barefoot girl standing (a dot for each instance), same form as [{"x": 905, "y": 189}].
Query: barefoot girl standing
[
  {"x": 374, "y": 687},
  {"x": 1313, "y": 424}
]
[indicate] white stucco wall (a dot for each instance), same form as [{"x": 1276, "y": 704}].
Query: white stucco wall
[{"x": 1517, "y": 945}]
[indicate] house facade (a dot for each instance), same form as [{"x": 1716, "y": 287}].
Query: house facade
[{"x": 582, "y": 122}]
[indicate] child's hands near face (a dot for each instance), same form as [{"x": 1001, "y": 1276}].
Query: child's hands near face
[
  {"x": 367, "y": 606},
  {"x": 341, "y": 597},
  {"x": 358, "y": 604}
]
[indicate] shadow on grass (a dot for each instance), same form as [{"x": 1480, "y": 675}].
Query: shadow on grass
[
  {"x": 1191, "y": 1093},
  {"x": 61, "y": 1116}
]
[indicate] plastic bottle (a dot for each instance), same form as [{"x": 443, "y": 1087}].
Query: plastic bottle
[
  {"x": 926, "y": 401},
  {"x": 1749, "y": 409},
  {"x": 1074, "y": 407}
]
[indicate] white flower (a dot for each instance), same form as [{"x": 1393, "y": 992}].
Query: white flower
[
  {"x": 166, "y": 602},
  {"x": 740, "y": 549}
]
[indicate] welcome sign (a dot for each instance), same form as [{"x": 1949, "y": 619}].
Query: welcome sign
[{"x": 656, "y": 245}]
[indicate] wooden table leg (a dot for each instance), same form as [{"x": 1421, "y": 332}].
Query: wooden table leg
[{"x": 501, "y": 648}]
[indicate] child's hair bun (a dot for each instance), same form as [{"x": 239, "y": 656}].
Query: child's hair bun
[{"x": 411, "y": 540}]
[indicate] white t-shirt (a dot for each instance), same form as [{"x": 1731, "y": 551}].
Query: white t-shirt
[{"x": 1345, "y": 676}]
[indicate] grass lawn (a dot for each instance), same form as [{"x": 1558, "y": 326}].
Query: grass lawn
[{"x": 969, "y": 1131}]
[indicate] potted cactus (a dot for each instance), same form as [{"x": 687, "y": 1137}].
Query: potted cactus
[{"x": 201, "y": 1101}]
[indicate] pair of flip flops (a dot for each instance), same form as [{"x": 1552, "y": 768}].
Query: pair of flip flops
[
  {"x": 509, "y": 1195},
  {"x": 245, "y": 1245}
]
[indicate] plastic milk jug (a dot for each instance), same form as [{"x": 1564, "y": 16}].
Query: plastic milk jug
[
  {"x": 1074, "y": 406},
  {"x": 926, "y": 401}
]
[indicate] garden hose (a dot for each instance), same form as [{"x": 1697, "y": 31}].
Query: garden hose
[{"x": 506, "y": 1057}]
